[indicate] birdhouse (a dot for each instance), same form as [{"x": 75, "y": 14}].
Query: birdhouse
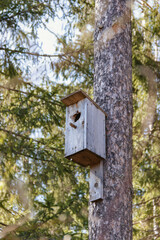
[{"x": 85, "y": 130}]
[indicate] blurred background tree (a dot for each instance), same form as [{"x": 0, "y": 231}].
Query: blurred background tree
[{"x": 43, "y": 195}]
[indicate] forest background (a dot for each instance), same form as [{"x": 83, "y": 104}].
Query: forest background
[{"x": 43, "y": 195}]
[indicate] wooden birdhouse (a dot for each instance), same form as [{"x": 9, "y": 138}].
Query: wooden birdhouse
[{"x": 85, "y": 130}]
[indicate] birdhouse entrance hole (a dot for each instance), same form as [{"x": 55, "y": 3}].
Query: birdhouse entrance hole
[{"x": 76, "y": 116}]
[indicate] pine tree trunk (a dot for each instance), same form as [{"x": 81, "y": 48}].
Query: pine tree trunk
[{"x": 111, "y": 218}]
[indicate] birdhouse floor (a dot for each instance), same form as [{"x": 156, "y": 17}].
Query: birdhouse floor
[{"x": 85, "y": 158}]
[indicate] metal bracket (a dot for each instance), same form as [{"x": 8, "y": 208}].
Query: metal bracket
[{"x": 96, "y": 182}]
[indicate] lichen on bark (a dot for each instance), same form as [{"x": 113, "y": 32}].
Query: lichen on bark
[{"x": 111, "y": 218}]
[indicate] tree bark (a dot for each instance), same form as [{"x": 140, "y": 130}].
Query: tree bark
[{"x": 111, "y": 218}]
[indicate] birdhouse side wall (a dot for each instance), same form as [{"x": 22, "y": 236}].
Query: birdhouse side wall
[{"x": 95, "y": 130}]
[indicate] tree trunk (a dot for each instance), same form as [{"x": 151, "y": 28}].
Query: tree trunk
[{"x": 111, "y": 218}]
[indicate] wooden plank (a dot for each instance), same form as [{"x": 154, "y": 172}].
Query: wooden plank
[
  {"x": 74, "y": 135},
  {"x": 96, "y": 182},
  {"x": 73, "y": 98},
  {"x": 96, "y": 130},
  {"x": 76, "y": 97},
  {"x": 85, "y": 158}
]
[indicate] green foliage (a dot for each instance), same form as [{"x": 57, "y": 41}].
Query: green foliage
[
  {"x": 38, "y": 180},
  {"x": 43, "y": 195},
  {"x": 146, "y": 125}
]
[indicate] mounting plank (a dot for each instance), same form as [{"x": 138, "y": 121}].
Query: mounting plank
[{"x": 96, "y": 182}]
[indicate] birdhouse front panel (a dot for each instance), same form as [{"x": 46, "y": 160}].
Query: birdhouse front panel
[{"x": 75, "y": 140}]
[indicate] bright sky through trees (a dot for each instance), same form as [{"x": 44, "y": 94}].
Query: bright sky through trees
[{"x": 47, "y": 38}]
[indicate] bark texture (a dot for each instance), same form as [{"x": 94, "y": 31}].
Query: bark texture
[{"x": 111, "y": 218}]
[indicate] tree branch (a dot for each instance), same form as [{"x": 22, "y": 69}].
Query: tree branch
[
  {"x": 3, "y": 224},
  {"x": 30, "y": 53},
  {"x": 147, "y": 219},
  {"x": 25, "y": 137},
  {"x": 144, "y": 202},
  {"x": 27, "y": 93}
]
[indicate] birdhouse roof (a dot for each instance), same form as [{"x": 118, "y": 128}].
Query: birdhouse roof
[{"x": 76, "y": 97}]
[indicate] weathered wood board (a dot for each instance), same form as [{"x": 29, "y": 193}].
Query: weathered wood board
[
  {"x": 95, "y": 133},
  {"x": 96, "y": 182},
  {"x": 78, "y": 96},
  {"x": 75, "y": 137},
  {"x": 85, "y": 158}
]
